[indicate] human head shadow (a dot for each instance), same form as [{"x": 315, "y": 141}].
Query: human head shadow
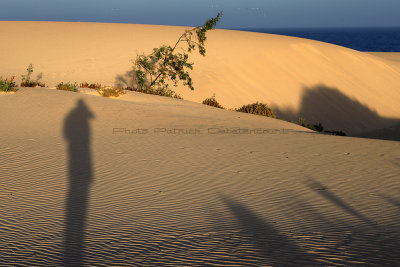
[
  {"x": 77, "y": 134},
  {"x": 338, "y": 112}
]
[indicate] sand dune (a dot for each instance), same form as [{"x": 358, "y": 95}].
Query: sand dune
[
  {"x": 298, "y": 77},
  {"x": 74, "y": 193},
  {"x": 153, "y": 181},
  {"x": 394, "y": 56}
]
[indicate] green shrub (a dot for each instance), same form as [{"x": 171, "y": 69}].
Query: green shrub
[
  {"x": 26, "y": 79},
  {"x": 160, "y": 91},
  {"x": 7, "y": 85},
  {"x": 212, "y": 102},
  {"x": 110, "y": 91},
  {"x": 67, "y": 87},
  {"x": 257, "y": 109},
  {"x": 91, "y": 86},
  {"x": 170, "y": 64},
  {"x": 165, "y": 92},
  {"x": 338, "y": 133},
  {"x": 315, "y": 127},
  {"x": 318, "y": 127},
  {"x": 32, "y": 84}
]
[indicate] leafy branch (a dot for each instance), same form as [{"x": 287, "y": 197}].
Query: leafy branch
[{"x": 153, "y": 72}]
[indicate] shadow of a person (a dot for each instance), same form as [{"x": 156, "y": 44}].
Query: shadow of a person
[{"x": 77, "y": 134}]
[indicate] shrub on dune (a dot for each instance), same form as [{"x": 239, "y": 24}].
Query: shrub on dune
[
  {"x": 67, "y": 87},
  {"x": 212, "y": 102},
  {"x": 315, "y": 127},
  {"x": 110, "y": 91},
  {"x": 169, "y": 64},
  {"x": 90, "y": 86},
  {"x": 165, "y": 92},
  {"x": 26, "y": 79},
  {"x": 319, "y": 128},
  {"x": 338, "y": 133},
  {"x": 161, "y": 92},
  {"x": 7, "y": 85},
  {"x": 32, "y": 84},
  {"x": 257, "y": 109}
]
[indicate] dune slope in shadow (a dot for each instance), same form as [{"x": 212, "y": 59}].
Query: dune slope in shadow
[{"x": 338, "y": 112}]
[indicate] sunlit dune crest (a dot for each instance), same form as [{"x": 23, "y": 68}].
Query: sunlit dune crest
[{"x": 240, "y": 68}]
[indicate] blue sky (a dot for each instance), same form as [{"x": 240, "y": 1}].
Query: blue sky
[{"x": 237, "y": 13}]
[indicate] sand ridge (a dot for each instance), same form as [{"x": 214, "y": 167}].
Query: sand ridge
[
  {"x": 298, "y": 77},
  {"x": 393, "y": 56}
]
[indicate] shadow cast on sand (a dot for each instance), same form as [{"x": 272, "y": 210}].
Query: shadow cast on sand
[
  {"x": 39, "y": 77},
  {"x": 338, "y": 112},
  {"x": 77, "y": 134},
  {"x": 319, "y": 237},
  {"x": 392, "y": 201},
  {"x": 320, "y": 189},
  {"x": 274, "y": 247},
  {"x": 125, "y": 80}
]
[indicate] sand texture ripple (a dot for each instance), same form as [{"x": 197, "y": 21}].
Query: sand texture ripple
[{"x": 91, "y": 181}]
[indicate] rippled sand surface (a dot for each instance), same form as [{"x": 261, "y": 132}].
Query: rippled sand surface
[{"x": 91, "y": 181}]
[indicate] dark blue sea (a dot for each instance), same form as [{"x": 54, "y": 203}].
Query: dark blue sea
[{"x": 361, "y": 39}]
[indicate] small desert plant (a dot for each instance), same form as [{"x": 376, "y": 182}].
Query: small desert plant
[
  {"x": 26, "y": 79},
  {"x": 161, "y": 92},
  {"x": 110, "y": 91},
  {"x": 67, "y": 87},
  {"x": 170, "y": 63},
  {"x": 32, "y": 84},
  {"x": 165, "y": 92},
  {"x": 339, "y": 133},
  {"x": 7, "y": 85},
  {"x": 257, "y": 109},
  {"x": 315, "y": 127},
  {"x": 91, "y": 85},
  {"x": 212, "y": 102}
]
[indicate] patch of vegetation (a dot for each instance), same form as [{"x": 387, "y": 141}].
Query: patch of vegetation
[
  {"x": 32, "y": 84},
  {"x": 315, "y": 127},
  {"x": 110, "y": 91},
  {"x": 91, "y": 85},
  {"x": 319, "y": 128},
  {"x": 7, "y": 85},
  {"x": 212, "y": 102},
  {"x": 257, "y": 109},
  {"x": 67, "y": 87},
  {"x": 161, "y": 92},
  {"x": 26, "y": 79},
  {"x": 153, "y": 72},
  {"x": 339, "y": 133}
]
